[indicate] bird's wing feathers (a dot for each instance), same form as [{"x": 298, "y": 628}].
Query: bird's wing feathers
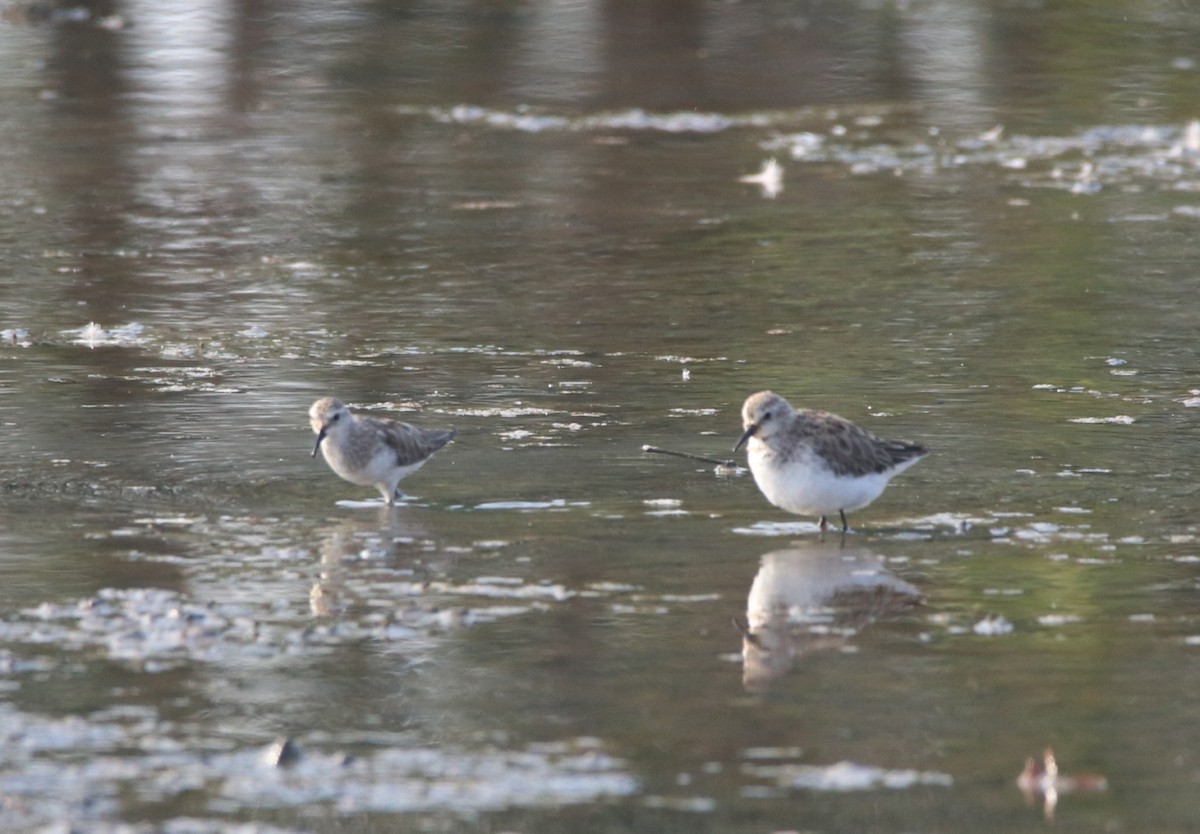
[
  {"x": 852, "y": 450},
  {"x": 411, "y": 444}
]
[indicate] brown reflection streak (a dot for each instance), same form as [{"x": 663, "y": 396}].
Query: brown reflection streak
[{"x": 251, "y": 37}]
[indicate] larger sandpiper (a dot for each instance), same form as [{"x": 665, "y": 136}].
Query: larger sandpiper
[
  {"x": 817, "y": 463},
  {"x": 372, "y": 451}
]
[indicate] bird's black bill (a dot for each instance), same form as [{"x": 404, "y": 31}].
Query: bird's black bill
[
  {"x": 320, "y": 437},
  {"x": 749, "y": 433}
]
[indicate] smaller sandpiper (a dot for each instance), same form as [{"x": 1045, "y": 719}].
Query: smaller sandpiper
[
  {"x": 817, "y": 463},
  {"x": 372, "y": 451}
]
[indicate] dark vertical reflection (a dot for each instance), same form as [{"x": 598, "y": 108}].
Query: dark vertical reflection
[
  {"x": 654, "y": 53},
  {"x": 252, "y": 36},
  {"x": 86, "y": 164}
]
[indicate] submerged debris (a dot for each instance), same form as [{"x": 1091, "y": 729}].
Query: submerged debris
[
  {"x": 724, "y": 467},
  {"x": 769, "y": 178},
  {"x": 284, "y": 752}
]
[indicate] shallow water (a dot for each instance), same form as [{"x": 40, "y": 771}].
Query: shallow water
[{"x": 529, "y": 223}]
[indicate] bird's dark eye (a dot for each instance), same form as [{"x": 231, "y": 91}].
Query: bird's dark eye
[
  {"x": 335, "y": 418},
  {"x": 766, "y": 416}
]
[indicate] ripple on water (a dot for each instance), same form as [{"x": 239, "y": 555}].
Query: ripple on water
[{"x": 154, "y": 630}]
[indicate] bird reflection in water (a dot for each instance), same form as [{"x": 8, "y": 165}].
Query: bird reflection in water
[
  {"x": 814, "y": 597},
  {"x": 381, "y": 538},
  {"x": 1045, "y": 781}
]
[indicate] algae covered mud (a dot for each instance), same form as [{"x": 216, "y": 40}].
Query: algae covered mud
[{"x": 570, "y": 232}]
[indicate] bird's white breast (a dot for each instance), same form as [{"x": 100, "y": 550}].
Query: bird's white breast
[
  {"x": 804, "y": 485},
  {"x": 379, "y": 468}
]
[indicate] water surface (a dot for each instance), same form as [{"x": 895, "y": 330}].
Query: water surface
[{"x": 528, "y": 223}]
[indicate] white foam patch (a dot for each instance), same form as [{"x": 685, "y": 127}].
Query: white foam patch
[
  {"x": 554, "y": 504},
  {"x": 958, "y": 522},
  {"x": 992, "y": 627},
  {"x": 844, "y": 777},
  {"x": 528, "y": 121},
  {"x": 364, "y": 504},
  {"x": 92, "y": 334},
  {"x": 778, "y": 528},
  {"x": 1118, "y": 420},
  {"x": 501, "y": 411}
]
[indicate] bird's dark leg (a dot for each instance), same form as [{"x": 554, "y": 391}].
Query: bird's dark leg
[
  {"x": 824, "y": 524},
  {"x": 845, "y": 524}
]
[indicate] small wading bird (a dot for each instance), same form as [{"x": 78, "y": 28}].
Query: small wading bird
[
  {"x": 372, "y": 451},
  {"x": 817, "y": 463}
]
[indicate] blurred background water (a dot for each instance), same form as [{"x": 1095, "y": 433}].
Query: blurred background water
[{"x": 555, "y": 227}]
